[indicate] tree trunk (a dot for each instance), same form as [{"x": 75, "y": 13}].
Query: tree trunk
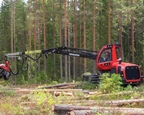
[
  {"x": 68, "y": 36},
  {"x": 80, "y": 29},
  {"x": 39, "y": 41},
  {"x": 54, "y": 39},
  {"x": 44, "y": 32},
  {"x": 143, "y": 48},
  {"x": 75, "y": 41},
  {"x": 109, "y": 26},
  {"x": 132, "y": 32},
  {"x": 29, "y": 41},
  {"x": 65, "y": 36},
  {"x": 60, "y": 35},
  {"x": 35, "y": 35},
  {"x": 84, "y": 26},
  {"x": 94, "y": 36},
  {"x": 120, "y": 32},
  {"x": 12, "y": 31},
  {"x": 11, "y": 24}
]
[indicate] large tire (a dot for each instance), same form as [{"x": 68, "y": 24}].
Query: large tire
[
  {"x": 6, "y": 75},
  {"x": 93, "y": 78}
]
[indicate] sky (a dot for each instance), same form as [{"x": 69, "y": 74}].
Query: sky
[{"x": 2, "y": 0}]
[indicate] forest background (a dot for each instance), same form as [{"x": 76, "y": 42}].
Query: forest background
[{"x": 86, "y": 24}]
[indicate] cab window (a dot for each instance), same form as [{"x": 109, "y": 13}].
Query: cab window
[
  {"x": 105, "y": 55},
  {"x": 118, "y": 53}
]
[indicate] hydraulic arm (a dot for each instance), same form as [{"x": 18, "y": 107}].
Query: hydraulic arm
[
  {"x": 60, "y": 50},
  {"x": 72, "y": 52}
]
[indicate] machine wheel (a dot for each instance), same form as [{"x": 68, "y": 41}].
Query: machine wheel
[
  {"x": 93, "y": 78},
  {"x": 6, "y": 75}
]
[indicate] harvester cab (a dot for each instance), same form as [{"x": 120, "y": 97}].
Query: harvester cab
[
  {"x": 107, "y": 56},
  {"x": 109, "y": 59}
]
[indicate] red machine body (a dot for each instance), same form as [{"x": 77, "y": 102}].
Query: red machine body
[
  {"x": 129, "y": 72},
  {"x": 5, "y": 70}
]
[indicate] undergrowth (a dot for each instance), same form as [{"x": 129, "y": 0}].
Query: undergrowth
[
  {"x": 110, "y": 84},
  {"x": 88, "y": 85}
]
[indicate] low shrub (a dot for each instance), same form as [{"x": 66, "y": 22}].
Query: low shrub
[{"x": 110, "y": 84}]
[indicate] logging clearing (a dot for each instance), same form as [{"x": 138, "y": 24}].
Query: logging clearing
[{"x": 55, "y": 100}]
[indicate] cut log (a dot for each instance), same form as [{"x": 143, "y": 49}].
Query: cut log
[
  {"x": 82, "y": 112},
  {"x": 94, "y": 93},
  {"x": 47, "y": 90},
  {"x": 28, "y": 103},
  {"x": 121, "y": 102},
  {"x": 115, "y": 110},
  {"x": 112, "y": 103},
  {"x": 63, "y": 93},
  {"x": 63, "y": 107},
  {"x": 119, "y": 93},
  {"x": 68, "y": 86},
  {"x": 99, "y": 95},
  {"x": 57, "y": 86},
  {"x": 115, "y": 103},
  {"x": 103, "y": 96}
]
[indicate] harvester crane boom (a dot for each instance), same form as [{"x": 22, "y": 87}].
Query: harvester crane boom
[{"x": 76, "y": 52}]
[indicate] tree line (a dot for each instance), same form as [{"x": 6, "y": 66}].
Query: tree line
[{"x": 86, "y": 24}]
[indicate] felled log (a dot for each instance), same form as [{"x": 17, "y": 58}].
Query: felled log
[
  {"x": 115, "y": 103},
  {"x": 82, "y": 112},
  {"x": 99, "y": 95},
  {"x": 24, "y": 91},
  {"x": 57, "y": 85},
  {"x": 123, "y": 102},
  {"x": 28, "y": 103},
  {"x": 112, "y": 103},
  {"x": 68, "y": 108},
  {"x": 62, "y": 94},
  {"x": 64, "y": 109},
  {"x": 68, "y": 86}
]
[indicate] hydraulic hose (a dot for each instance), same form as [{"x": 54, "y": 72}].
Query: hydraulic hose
[{"x": 15, "y": 73}]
